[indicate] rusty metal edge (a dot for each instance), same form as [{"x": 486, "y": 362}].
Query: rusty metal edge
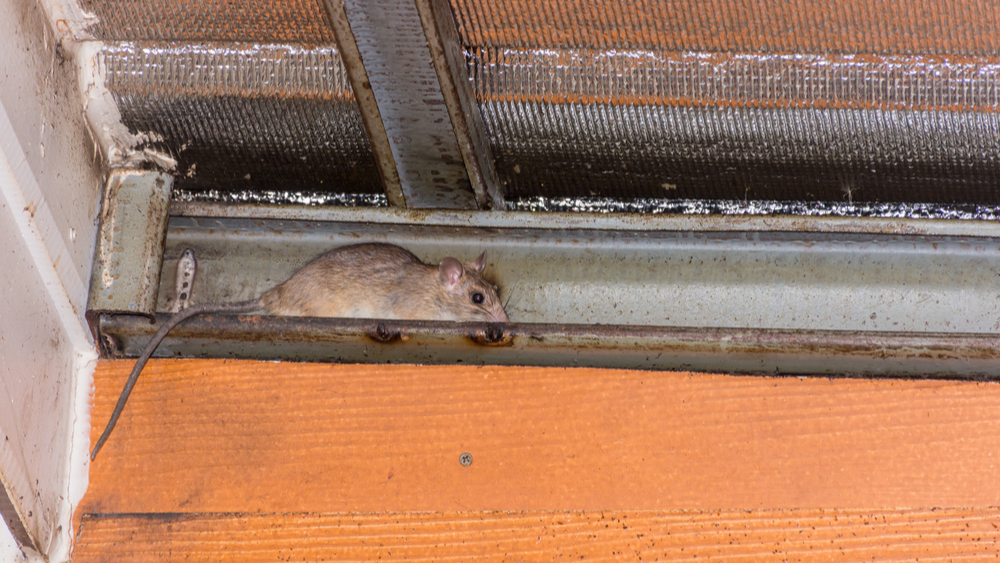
[
  {"x": 365, "y": 97},
  {"x": 442, "y": 38},
  {"x": 735, "y": 351},
  {"x": 597, "y": 221}
]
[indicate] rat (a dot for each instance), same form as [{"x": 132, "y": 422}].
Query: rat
[{"x": 369, "y": 281}]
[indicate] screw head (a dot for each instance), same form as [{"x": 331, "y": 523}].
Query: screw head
[{"x": 465, "y": 459}]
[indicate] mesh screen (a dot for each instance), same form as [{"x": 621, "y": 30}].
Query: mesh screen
[
  {"x": 823, "y": 101},
  {"x": 887, "y": 27},
  {"x": 202, "y": 21},
  {"x": 844, "y": 101},
  {"x": 255, "y": 117}
]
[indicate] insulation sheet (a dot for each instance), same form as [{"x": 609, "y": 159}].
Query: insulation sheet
[{"x": 832, "y": 102}]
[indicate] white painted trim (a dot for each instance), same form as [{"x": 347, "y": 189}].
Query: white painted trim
[
  {"x": 49, "y": 192},
  {"x": 34, "y": 218},
  {"x": 22, "y": 195}
]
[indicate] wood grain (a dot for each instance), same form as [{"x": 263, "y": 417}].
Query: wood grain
[
  {"x": 244, "y": 436},
  {"x": 797, "y": 535}
]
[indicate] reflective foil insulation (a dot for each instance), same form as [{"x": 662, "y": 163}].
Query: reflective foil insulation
[
  {"x": 245, "y": 117},
  {"x": 866, "y": 104},
  {"x": 247, "y": 96},
  {"x": 836, "y": 100}
]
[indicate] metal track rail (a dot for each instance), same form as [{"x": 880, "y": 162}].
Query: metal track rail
[{"x": 737, "y": 301}]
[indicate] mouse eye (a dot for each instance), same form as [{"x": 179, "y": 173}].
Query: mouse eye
[{"x": 478, "y": 298}]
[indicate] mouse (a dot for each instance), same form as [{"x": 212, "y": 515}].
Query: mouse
[{"x": 368, "y": 281}]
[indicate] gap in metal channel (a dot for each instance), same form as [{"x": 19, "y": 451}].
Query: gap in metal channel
[{"x": 642, "y": 206}]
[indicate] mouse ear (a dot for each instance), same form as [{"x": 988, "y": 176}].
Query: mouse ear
[
  {"x": 450, "y": 270},
  {"x": 479, "y": 263}
]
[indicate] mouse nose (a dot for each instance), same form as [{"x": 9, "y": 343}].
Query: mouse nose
[{"x": 499, "y": 317}]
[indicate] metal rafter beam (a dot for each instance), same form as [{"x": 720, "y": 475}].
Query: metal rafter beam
[
  {"x": 425, "y": 136},
  {"x": 367, "y": 105},
  {"x": 449, "y": 61}
]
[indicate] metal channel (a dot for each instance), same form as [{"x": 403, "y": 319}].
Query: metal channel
[
  {"x": 385, "y": 40},
  {"x": 737, "y": 351},
  {"x": 739, "y": 301}
]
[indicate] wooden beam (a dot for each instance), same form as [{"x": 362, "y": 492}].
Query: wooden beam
[{"x": 245, "y": 436}]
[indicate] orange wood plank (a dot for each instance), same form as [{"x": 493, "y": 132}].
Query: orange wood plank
[
  {"x": 245, "y": 436},
  {"x": 799, "y": 535}
]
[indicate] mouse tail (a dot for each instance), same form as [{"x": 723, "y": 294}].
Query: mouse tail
[{"x": 154, "y": 342}]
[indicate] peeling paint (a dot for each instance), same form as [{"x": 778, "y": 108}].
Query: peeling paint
[{"x": 120, "y": 147}]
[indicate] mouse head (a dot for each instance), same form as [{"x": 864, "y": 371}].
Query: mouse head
[{"x": 470, "y": 297}]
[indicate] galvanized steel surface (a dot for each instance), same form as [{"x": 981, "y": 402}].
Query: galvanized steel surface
[
  {"x": 449, "y": 61},
  {"x": 367, "y": 104},
  {"x": 594, "y": 292},
  {"x": 129, "y": 253},
  {"x": 397, "y": 62},
  {"x": 711, "y": 279},
  {"x": 657, "y": 348}
]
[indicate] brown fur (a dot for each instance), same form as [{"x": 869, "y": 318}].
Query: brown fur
[{"x": 382, "y": 281}]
